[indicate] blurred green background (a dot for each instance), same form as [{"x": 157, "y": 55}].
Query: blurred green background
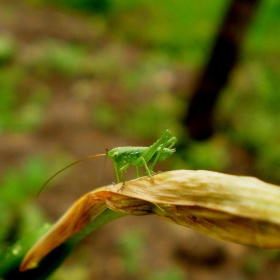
[{"x": 77, "y": 77}]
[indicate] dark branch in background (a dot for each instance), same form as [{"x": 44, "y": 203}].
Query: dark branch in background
[{"x": 199, "y": 118}]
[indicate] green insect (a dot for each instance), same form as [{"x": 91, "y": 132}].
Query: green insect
[{"x": 146, "y": 157}]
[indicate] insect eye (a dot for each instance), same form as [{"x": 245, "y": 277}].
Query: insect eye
[{"x": 115, "y": 154}]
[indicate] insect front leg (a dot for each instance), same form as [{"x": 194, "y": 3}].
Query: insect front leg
[
  {"x": 122, "y": 170},
  {"x": 116, "y": 169}
]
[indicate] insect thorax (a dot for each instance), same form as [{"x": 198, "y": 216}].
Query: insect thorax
[{"x": 122, "y": 155}]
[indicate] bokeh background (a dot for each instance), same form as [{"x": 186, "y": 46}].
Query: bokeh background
[{"x": 77, "y": 77}]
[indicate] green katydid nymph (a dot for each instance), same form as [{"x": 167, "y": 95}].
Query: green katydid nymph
[{"x": 123, "y": 157}]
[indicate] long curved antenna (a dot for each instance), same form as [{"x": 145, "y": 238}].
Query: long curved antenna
[
  {"x": 78, "y": 161},
  {"x": 103, "y": 167}
]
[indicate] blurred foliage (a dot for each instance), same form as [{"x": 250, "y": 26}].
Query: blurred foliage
[
  {"x": 18, "y": 214},
  {"x": 20, "y": 112},
  {"x": 209, "y": 155},
  {"x": 130, "y": 69},
  {"x": 248, "y": 109},
  {"x": 248, "y": 112},
  {"x": 91, "y": 5},
  {"x": 7, "y": 49},
  {"x": 76, "y": 272},
  {"x": 172, "y": 273},
  {"x": 160, "y": 113},
  {"x": 263, "y": 36},
  {"x": 182, "y": 29},
  {"x": 253, "y": 97},
  {"x": 95, "y": 6},
  {"x": 254, "y": 264},
  {"x": 131, "y": 246},
  {"x": 61, "y": 57}
]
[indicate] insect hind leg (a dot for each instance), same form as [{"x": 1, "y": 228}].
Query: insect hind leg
[
  {"x": 168, "y": 143},
  {"x": 165, "y": 140},
  {"x": 150, "y": 151},
  {"x": 171, "y": 142},
  {"x": 149, "y": 172}
]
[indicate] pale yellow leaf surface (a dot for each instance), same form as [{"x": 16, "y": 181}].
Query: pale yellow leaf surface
[{"x": 239, "y": 209}]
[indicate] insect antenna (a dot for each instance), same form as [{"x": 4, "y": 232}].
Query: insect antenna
[
  {"x": 103, "y": 167},
  {"x": 78, "y": 161}
]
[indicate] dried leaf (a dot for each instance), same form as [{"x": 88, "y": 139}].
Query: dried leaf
[{"x": 240, "y": 209}]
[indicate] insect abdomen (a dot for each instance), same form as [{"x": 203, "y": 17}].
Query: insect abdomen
[
  {"x": 128, "y": 154},
  {"x": 166, "y": 153}
]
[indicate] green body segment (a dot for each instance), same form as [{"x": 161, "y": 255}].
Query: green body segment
[
  {"x": 123, "y": 157},
  {"x": 146, "y": 157}
]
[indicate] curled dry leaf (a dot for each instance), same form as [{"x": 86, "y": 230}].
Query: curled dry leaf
[{"x": 240, "y": 209}]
